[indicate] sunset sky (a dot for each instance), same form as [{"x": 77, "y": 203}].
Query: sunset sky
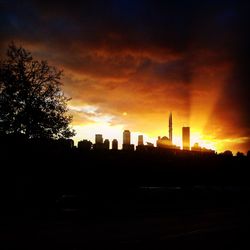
[{"x": 128, "y": 64}]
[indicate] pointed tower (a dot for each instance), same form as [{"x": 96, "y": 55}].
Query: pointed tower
[{"x": 170, "y": 127}]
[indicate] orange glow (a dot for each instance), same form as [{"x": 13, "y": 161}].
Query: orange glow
[
  {"x": 116, "y": 90},
  {"x": 88, "y": 131},
  {"x": 104, "y": 126}
]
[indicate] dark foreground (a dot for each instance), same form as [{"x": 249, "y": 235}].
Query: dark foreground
[
  {"x": 63, "y": 198},
  {"x": 151, "y": 218}
]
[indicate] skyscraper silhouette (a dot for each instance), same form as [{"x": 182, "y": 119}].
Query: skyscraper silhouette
[
  {"x": 106, "y": 144},
  {"x": 114, "y": 144},
  {"x": 140, "y": 139},
  {"x": 186, "y": 138},
  {"x": 170, "y": 127},
  {"x": 126, "y": 137},
  {"x": 98, "y": 138},
  {"x": 126, "y": 141}
]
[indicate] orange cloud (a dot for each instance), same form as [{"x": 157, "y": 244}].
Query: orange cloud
[{"x": 144, "y": 61}]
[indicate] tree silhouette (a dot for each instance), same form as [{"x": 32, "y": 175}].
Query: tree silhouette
[{"x": 31, "y": 100}]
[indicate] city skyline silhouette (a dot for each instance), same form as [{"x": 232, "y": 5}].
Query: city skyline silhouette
[
  {"x": 161, "y": 141},
  {"x": 124, "y": 124}
]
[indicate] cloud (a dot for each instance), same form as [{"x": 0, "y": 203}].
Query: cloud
[{"x": 145, "y": 58}]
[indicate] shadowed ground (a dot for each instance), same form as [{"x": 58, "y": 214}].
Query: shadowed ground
[
  {"x": 62, "y": 198},
  {"x": 150, "y": 223}
]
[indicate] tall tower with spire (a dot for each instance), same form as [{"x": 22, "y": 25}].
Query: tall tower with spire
[{"x": 170, "y": 127}]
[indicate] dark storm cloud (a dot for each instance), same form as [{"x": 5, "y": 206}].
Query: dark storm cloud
[
  {"x": 234, "y": 104},
  {"x": 136, "y": 24},
  {"x": 177, "y": 26}
]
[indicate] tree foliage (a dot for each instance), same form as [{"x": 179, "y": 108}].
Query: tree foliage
[{"x": 31, "y": 99}]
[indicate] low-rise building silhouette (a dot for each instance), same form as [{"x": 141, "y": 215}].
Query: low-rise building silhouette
[
  {"x": 84, "y": 145},
  {"x": 197, "y": 148},
  {"x": 128, "y": 147},
  {"x": 163, "y": 142},
  {"x": 148, "y": 147}
]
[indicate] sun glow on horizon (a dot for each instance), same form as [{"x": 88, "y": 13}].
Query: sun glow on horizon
[
  {"x": 101, "y": 123},
  {"x": 88, "y": 131},
  {"x": 112, "y": 126}
]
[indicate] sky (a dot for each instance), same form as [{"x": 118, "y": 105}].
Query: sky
[{"x": 129, "y": 63}]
